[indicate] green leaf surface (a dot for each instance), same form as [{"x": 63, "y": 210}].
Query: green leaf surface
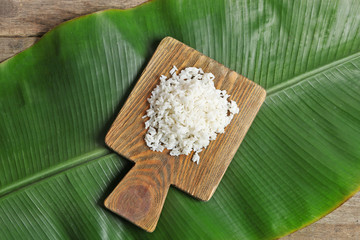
[{"x": 299, "y": 160}]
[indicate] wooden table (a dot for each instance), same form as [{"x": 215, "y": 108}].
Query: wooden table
[{"x": 23, "y": 22}]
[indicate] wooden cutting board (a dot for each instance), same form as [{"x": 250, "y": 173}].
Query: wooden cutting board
[{"x": 141, "y": 194}]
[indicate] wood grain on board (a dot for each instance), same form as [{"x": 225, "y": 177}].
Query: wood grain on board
[
  {"x": 141, "y": 194},
  {"x": 23, "y": 22}
]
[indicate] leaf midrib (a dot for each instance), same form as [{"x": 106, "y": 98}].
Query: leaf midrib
[
  {"x": 51, "y": 171},
  {"x": 103, "y": 152},
  {"x": 299, "y": 78}
]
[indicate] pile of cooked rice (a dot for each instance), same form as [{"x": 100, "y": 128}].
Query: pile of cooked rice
[{"x": 187, "y": 112}]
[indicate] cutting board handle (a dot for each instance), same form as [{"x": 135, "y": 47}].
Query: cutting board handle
[{"x": 140, "y": 195}]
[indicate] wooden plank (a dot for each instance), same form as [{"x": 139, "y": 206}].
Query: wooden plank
[
  {"x": 343, "y": 223},
  {"x": 23, "y": 22},
  {"x": 348, "y": 213},
  {"x": 327, "y": 232},
  {"x": 35, "y": 17},
  {"x": 9, "y": 46}
]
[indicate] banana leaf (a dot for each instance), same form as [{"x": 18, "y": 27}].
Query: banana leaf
[{"x": 299, "y": 160}]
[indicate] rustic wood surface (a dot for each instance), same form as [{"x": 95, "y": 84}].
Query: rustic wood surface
[
  {"x": 23, "y": 22},
  {"x": 141, "y": 194}
]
